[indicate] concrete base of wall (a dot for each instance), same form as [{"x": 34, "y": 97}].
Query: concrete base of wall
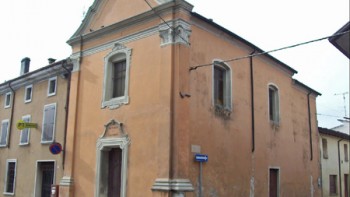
[{"x": 178, "y": 187}]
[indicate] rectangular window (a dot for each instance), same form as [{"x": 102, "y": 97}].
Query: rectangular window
[
  {"x": 118, "y": 79},
  {"x": 273, "y": 104},
  {"x": 4, "y": 133},
  {"x": 48, "y": 128},
  {"x": 25, "y": 133},
  {"x": 219, "y": 86},
  {"x": 52, "y": 86},
  {"x": 10, "y": 177},
  {"x": 222, "y": 86},
  {"x": 324, "y": 148},
  {"x": 346, "y": 152},
  {"x": 8, "y": 99},
  {"x": 28, "y": 94},
  {"x": 274, "y": 183},
  {"x": 332, "y": 184}
]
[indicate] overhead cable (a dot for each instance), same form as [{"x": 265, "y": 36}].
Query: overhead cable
[
  {"x": 328, "y": 115},
  {"x": 274, "y": 50}
]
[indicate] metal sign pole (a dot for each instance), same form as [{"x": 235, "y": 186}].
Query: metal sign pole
[
  {"x": 200, "y": 179},
  {"x": 200, "y": 158}
]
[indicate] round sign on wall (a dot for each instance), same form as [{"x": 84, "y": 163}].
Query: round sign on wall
[{"x": 55, "y": 148}]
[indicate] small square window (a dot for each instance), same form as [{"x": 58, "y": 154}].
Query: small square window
[
  {"x": 52, "y": 86},
  {"x": 8, "y": 99},
  {"x": 28, "y": 94}
]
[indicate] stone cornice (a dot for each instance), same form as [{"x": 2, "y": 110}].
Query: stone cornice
[
  {"x": 132, "y": 21},
  {"x": 34, "y": 77},
  {"x": 184, "y": 185},
  {"x": 132, "y": 37},
  {"x": 110, "y": 44}
]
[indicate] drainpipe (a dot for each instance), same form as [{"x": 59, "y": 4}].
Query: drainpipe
[
  {"x": 252, "y": 99},
  {"x": 11, "y": 117},
  {"x": 310, "y": 129},
  {"x": 172, "y": 111},
  {"x": 67, "y": 109},
  {"x": 339, "y": 166}
]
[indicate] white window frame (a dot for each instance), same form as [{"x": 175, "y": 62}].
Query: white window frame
[
  {"x": 8, "y": 130},
  {"x": 104, "y": 145},
  {"x": 22, "y": 131},
  {"x": 118, "y": 53},
  {"x": 54, "y": 125},
  {"x": 277, "y": 115},
  {"x": 6, "y": 177},
  {"x": 26, "y": 94},
  {"x": 49, "y": 85},
  {"x": 228, "y": 84},
  {"x": 8, "y": 99},
  {"x": 37, "y": 181}
]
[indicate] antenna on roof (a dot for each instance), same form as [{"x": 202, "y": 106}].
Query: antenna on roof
[{"x": 344, "y": 93}]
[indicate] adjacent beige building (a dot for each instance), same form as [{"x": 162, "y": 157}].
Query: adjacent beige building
[
  {"x": 153, "y": 84},
  {"x": 335, "y": 163},
  {"x": 27, "y": 167}
]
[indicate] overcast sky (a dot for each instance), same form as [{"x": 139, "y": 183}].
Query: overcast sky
[{"x": 39, "y": 29}]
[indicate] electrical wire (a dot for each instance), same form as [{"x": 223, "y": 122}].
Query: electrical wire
[
  {"x": 165, "y": 21},
  {"x": 328, "y": 115},
  {"x": 274, "y": 50}
]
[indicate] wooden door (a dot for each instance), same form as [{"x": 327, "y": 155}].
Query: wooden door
[{"x": 114, "y": 172}]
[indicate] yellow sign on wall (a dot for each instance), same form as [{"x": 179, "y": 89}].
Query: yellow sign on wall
[{"x": 24, "y": 125}]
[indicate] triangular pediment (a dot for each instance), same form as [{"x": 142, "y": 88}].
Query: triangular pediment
[{"x": 103, "y": 13}]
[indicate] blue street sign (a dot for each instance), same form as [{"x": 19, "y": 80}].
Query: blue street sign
[{"x": 201, "y": 158}]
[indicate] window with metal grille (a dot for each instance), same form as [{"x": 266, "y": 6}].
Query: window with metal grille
[
  {"x": 118, "y": 79},
  {"x": 332, "y": 184},
  {"x": 10, "y": 177},
  {"x": 48, "y": 128}
]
